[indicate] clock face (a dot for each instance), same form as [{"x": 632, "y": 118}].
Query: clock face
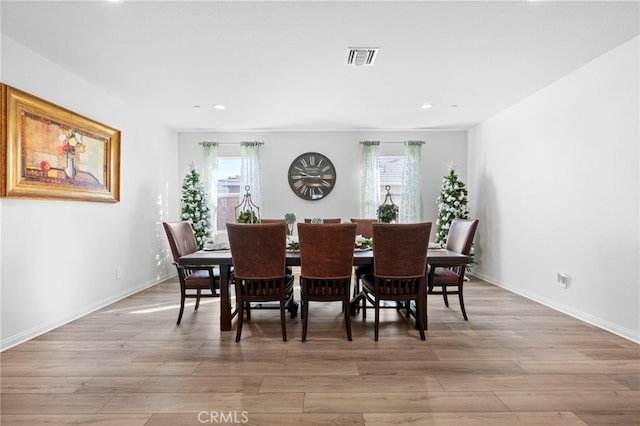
[{"x": 312, "y": 176}]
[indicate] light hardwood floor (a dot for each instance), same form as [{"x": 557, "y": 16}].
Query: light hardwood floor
[{"x": 514, "y": 362}]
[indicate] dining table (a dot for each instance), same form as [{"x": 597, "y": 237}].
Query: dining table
[{"x": 223, "y": 260}]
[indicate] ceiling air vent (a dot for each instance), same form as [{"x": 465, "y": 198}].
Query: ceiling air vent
[{"x": 361, "y": 56}]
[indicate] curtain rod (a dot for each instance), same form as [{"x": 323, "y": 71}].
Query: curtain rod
[
  {"x": 232, "y": 143},
  {"x": 420, "y": 142}
]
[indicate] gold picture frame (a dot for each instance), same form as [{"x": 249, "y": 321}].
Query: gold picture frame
[{"x": 49, "y": 152}]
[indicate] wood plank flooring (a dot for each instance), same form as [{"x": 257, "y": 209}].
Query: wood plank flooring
[{"x": 514, "y": 362}]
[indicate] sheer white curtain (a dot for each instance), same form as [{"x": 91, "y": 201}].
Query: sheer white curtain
[
  {"x": 250, "y": 171},
  {"x": 370, "y": 183},
  {"x": 210, "y": 178},
  {"x": 411, "y": 210}
]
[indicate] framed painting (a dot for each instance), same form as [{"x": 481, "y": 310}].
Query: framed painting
[{"x": 50, "y": 152}]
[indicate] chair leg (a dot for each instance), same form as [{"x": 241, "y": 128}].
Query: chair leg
[
  {"x": 182, "y": 298},
  {"x": 197, "y": 299},
  {"x": 305, "y": 317},
  {"x": 464, "y": 312},
  {"x": 240, "y": 304},
  {"x": 377, "y": 321},
  {"x": 364, "y": 306},
  {"x": 347, "y": 317},
  {"x": 282, "y": 320},
  {"x": 356, "y": 293},
  {"x": 444, "y": 296},
  {"x": 425, "y": 314},
  {"x": 420, "y": 318}
]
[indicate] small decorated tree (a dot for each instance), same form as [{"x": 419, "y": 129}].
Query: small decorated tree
[
  {"x": 195, "y": 207},
  {"x": 452, "y": 204}
]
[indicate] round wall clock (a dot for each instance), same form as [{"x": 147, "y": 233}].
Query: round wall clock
[{"x": 312, "y": 176}]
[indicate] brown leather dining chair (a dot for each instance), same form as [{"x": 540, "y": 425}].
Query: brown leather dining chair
[
  {"x": 308, "y": 220},
  {"x": 364, "y": 226},
  {"x": 326, "y": 265},
  {"x": 399, "y": 269},
  {"x": 259, "y": 256},
  {"x": 195, "y": 281},
  {"x": 459, "y": 239}
]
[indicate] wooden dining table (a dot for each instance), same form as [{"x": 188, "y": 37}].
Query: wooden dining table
[{"x": 223, "y": 259}]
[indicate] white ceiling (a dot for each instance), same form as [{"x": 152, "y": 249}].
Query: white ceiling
[{"x": 281, "y": 65}]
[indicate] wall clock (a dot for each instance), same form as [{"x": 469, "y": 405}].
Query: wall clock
[{"x": 312, "y": 176}]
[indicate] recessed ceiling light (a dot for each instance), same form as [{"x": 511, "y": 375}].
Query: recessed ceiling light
[
  {"x": 219, "y": 107},
  {"x": 427, "y": 106},
  {"x": 196, "y": 106}
]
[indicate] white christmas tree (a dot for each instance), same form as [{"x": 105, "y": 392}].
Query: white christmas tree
[
  {"x": 452, "y": 204},
  {"x": 195, "y": 208}
]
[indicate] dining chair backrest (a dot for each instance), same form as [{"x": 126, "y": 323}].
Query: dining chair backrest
[
  {"x": 181, "y": 238},
  {"x": 272, "y": 221},
  {"x": 400, "y": 250},
  {"x": 326, "y": 250},
  {"x": 258, "y": 250},
  {"x": 460, "y": 237},
  {"x": 364, "y": 226},
  {"x": 324, "y": 221}
]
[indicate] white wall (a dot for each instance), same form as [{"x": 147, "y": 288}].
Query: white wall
[
  {"x": 555, "y": 185},
  {"x": 58, "y": 258},
  {"x": 343, "y": 149}
]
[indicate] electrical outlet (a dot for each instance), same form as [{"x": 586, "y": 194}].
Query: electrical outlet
[
  {"x": 563, "y": 280},
  {"x": 118, "y": 273}
]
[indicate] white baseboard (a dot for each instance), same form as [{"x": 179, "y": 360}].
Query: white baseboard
[
  {"x": 580, "y": 315},
  {"x": 41, "y": 329}
]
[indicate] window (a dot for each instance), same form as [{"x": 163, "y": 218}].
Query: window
[
  {"x": 229, "y": 194},
  {"x": 391, "y": 174}
]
